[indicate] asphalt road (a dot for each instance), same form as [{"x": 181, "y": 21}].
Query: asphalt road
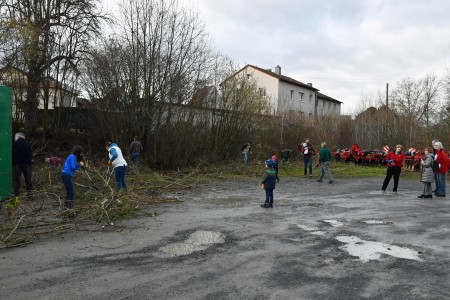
[{"x": 346, "y": 240}]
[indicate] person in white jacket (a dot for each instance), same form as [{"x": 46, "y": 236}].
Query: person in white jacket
[{"x": 119, "y": 164}]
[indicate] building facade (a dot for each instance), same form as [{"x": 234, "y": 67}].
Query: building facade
[{"x": 287, "y": 95}]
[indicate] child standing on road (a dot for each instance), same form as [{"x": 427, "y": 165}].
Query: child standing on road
[
  {"x": 427, "y": 175},
  {"x": 269, "y": 181}
]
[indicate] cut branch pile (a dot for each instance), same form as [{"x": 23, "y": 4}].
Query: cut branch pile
[{"x": 22, "y": 220}]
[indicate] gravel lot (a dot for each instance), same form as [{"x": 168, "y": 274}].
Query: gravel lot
[{"x": 346, "y": 240}]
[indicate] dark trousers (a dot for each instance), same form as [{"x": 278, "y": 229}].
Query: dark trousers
[
  {"x": 269, "y": 196},
  {"x": 307, "y": 162},
  {"x": 119, "y": 172},
  {"x": 68, "y": 184},
  {"x": 17, "y": 174},
  {"x": 392, "y": 171}
]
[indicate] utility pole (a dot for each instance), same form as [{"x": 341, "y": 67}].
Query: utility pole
[{"x": 387, "y": 113}]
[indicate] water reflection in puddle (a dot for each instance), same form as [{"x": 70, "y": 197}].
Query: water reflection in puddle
[{"x": 197, "y": 241}]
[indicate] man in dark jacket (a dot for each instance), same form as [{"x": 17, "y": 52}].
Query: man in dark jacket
[
  {"x": 135, "y": 153},
  {"x": 21, "y": 163},
  {"x": 324, "y": 158}
]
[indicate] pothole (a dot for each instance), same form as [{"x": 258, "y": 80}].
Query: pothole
[{"x": 197, "y": 241}]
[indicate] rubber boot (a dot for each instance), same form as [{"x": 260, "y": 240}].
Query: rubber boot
[{"x": 68, "y": 205}]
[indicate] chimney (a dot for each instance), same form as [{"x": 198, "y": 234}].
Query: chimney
[
  {"x": 310, "y": 84},
  {"x": 278, "y": 70}
]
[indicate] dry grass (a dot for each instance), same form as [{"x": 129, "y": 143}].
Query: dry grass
[{"x": 25, "y": 221}]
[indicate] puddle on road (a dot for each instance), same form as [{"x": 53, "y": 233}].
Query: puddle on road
[
  {"x": 365, "y": 250},
  {"x": 206, "y": 238},
  {"x": 334, "y": 223},
  {"x": 368, "y": 250},
  {"x": 197, "y": 241}
]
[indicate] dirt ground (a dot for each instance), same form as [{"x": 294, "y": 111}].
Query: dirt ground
[{"x": 346, "y": 240}]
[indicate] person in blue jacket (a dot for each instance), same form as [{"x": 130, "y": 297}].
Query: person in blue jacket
[{"x": 72, "y": 163}]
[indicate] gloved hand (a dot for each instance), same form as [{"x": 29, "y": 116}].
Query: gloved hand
[
  {"x": 81, "y": 163},
  {"x": 390, "y": 161}
]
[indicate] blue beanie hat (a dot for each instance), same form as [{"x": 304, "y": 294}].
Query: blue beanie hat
[{"x": 269, "y": 163}]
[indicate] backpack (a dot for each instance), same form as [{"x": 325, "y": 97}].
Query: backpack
[
  {"x": 306, "y": 151},
  {"x": 435, "y": 166}
]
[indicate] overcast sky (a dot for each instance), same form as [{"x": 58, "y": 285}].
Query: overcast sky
[{"x": 348, "y": 49}]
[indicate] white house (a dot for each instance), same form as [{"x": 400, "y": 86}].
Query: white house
[
  {"x": 286, "y": 94},
  {"x": 57, "y": 94}
]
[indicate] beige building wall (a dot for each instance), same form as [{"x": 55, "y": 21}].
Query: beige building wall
[{"x": 267, "y": 83}]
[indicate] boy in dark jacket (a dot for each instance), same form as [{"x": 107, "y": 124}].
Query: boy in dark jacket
[{"x": 269, "y": 180}]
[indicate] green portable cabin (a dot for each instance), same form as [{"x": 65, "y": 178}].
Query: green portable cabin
[{"x": 5, "y": 142}]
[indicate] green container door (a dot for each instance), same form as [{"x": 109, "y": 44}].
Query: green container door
[{"x": 5, "y": 142}]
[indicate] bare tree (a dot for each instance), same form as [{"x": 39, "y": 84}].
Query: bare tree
[
  {"x": 37, "y": 35},
  {"x": 431, "y": 98},
  {"x": 408, "y": 102}
]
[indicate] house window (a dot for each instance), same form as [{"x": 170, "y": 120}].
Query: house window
[
  {"x": 249, "y": 76},
  {"x": 301, "y": 96},
  {"x": 329, "y": 105},
  {"x": 334, "y": 106},
  {"x": 323, "y": 103},
  {"x": 292, "y": 94},
  {"x": 310, "y": 98},
  {"x": 262, "y": 92}
]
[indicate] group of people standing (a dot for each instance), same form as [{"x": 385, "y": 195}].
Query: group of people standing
[
  {"x": 435, "y": 165},
  {"x": 22, "y": 164}
]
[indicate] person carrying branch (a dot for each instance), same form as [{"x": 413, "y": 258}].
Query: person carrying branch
[
  {"x": 119, "y": 164},
  {"x": 72, "y": 163}
]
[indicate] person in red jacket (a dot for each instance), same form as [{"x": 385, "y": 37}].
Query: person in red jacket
[
  {"x": 394, "y": 162},
  {"x": 442, "y": 159}
]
